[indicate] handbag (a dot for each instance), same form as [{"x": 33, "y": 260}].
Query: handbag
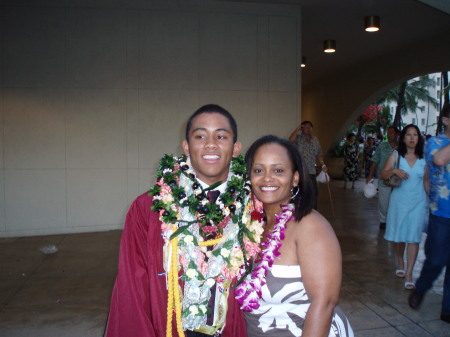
[{"x": 394, "y": 180}]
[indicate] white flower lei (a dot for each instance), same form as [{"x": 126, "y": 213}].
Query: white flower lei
[{"x": 186, "y": 213}]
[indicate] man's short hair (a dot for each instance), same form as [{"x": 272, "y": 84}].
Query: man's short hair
[
  {"x": 213, "y": 108},
  {"x": 397, "y": 131},
  {"x": 308, "y": 122}
]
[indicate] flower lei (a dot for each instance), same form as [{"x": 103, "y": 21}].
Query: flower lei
[
  {"x": 248, "y": 292},
  {"x": 187, "y": 218}
]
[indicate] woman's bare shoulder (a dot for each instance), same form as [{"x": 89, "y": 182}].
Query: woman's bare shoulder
[{"x": 313, "y": 222}]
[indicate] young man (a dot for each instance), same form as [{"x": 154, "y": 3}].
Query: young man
[
  {"x": 310, "y": 150},
  {"x": 181, "y": 247},
  {"x": 379, "y": 158},
  {"x": 437, "y": 245}
]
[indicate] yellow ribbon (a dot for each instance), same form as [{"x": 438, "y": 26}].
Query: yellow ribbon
[{"x": 173, "y": 300}]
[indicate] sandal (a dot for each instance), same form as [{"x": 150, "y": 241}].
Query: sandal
[
  {"x": 400, "y": 273},
  {"x": 410, "y": 286}
]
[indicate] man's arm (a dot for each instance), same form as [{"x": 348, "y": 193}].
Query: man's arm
[
  {"x": 322, "y": 163},
  {"x": 138, "y": 296},
  {"x": 319, "y": 156},
  {"x": 376, "y": 158},
  {"x": 426, "y": 182},
  {"x": 442, "y": 156},
  {"x": 293, "y": 135}
]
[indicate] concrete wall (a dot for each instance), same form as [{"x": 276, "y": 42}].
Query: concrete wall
[
  {"x": 93, "y": 93},
  {"x": 334, "y": 103}
]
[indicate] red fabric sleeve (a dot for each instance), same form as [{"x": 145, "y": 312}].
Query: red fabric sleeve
[
  {"x": 235, "y": 321},
  {"x": 139, "y": 298}
]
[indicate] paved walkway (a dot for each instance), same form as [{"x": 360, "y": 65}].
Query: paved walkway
[{"x": 67, "y": 293}]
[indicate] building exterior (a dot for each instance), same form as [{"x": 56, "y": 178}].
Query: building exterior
[{"x": 426, "y": 116}]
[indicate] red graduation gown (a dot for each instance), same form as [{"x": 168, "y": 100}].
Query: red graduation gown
[{"x": 139, "y": 298}]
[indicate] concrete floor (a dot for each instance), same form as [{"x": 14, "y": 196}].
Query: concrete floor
[{"x": 67, "y": 293}]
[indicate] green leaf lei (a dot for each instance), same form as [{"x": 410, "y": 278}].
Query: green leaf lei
[
  {"x": 207, "y": 214},
  {"x": 177, "y": 193}
]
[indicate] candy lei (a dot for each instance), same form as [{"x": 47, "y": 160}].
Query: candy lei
[
  {"x": 248, "y": 292},
  {"x": 187, "y": 217}
]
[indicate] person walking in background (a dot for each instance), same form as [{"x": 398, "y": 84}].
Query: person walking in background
[
  {"x": 437, "y": 245},
  {"x": 408, "y": 202},
  {"x": 351, "y": 158},
  {"x": 369, "y": 150},
  {"x": 378, "y": 140},
  {"x": 379, "y": 158},
  {"x": 310, "y": 150}
]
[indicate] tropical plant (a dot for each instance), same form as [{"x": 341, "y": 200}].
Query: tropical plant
[
  {"x": 369, "y": 116},
  {"x": 407, "y": 95},
  {"x": 445, "y": 93}
]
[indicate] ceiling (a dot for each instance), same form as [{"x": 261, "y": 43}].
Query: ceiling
[{"x": 404, "y": 23}]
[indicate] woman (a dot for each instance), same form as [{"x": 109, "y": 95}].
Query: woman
[
  {"x": 293, "y": 288},
  {"x": 351, "y": 156},
  {"x": 407, "y": 203},
  {"x": 369, "y": 150}
]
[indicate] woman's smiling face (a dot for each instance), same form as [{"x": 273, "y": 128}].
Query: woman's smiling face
[{"x": 272, "y": 175}]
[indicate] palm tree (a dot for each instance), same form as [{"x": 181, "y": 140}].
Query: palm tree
[
  {"x": 407, "y": 96},
  {"x": 444, "y": 92}
]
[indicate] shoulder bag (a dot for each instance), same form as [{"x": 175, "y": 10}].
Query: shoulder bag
[{"x": 394, "y": 180}]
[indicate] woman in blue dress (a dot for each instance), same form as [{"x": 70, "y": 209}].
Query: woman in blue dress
[{"x": 407, "y": 204}]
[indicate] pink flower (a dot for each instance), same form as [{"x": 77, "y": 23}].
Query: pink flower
[
  {"x": 203, "y": 267},
  {"x": 184, "y": 261},
  {"x": 165, "y": 227},
  {"x": 228, "y": 273},
  {"x": 165, "y": 189},
  {"x": 224, "y": 222},
  {"x": 256, "y": 205},
  {"x": 209, "y": 229},
  {"x": 199, "y": 256},
  {"x": 251, "y": 248}
]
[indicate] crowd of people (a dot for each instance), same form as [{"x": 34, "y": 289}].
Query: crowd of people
[
  {"x": 419, "y": 204},
  {"x": 224, "y": 245}
]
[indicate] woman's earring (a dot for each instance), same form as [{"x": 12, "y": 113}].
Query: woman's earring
[{"x": 296, "y": 192}]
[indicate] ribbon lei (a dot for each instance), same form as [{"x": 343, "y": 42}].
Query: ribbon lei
[{"x": 173, "y": 301}]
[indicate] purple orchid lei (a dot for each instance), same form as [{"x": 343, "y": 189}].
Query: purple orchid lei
[{"x": 248, "y": 292}]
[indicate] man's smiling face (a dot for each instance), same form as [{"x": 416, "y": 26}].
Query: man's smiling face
[{"x": 210, "y": 147}]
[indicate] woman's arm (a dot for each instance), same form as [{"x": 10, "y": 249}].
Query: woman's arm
[
  {"x": 320, "y": 259},
  {"x": 390, "y": 169}
]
